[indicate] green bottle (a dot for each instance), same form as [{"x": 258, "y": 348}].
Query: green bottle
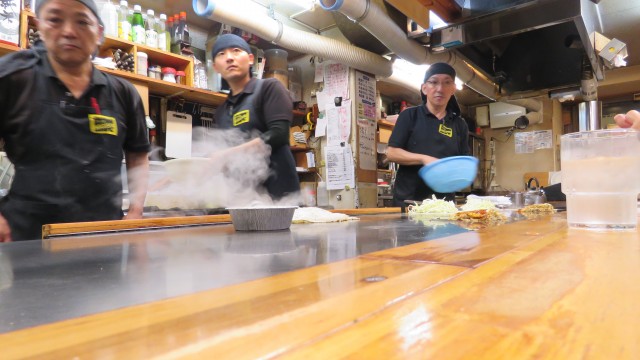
[{"x": 137, "y": 26}]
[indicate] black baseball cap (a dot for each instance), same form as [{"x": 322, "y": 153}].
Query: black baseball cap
[{"x": 229, "y": 41}]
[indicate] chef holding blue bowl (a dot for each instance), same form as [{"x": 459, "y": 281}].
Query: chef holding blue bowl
[{"x": 427, "y": 133}]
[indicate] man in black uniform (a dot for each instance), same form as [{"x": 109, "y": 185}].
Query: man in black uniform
[
  {"x": 65, "y": 126},
  {"x": 256, "y": 105},
  {"x": 426, "y": 133}
]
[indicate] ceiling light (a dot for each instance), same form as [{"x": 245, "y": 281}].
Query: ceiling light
[{"x": 303, "y": 4}]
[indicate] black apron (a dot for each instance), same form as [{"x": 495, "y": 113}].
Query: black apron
[
  {"x": 67, "y": 165},
  {"x": 283, "y": 177}
]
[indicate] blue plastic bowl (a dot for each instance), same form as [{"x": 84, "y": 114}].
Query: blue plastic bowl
[{"x": 450, "y": 174}]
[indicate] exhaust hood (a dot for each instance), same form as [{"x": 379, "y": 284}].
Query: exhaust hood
[{"x": 526, "y": 45}]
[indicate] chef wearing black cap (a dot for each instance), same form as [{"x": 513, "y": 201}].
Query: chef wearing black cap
[
  {"x": 262, "y": 106},
  {"x": 426, "y": 133},
  {"x": 66, "y": 126}
]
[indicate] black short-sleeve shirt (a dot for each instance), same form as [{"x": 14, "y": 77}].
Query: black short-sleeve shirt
[
  {"x": 419, "y": 131},
  {"x": 264, "y": 102},
  {"x": 67, "y": 151}
]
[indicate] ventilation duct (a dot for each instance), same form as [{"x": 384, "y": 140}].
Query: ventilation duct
[
  {"x": 235, "y": 12},
  {"x": 375, "y": 20}
]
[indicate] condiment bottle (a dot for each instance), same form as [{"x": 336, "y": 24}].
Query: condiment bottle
[
  {"x": 169, "y": 74},
  {"x": 181, "y": 78}
]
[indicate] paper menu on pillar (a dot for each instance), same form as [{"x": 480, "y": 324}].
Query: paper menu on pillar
[
  {"x": 179, "y": 135},
  {"x": 336, "y": 80},
  {"x": 340, "y": 167},
  {"x": 339, "y": 124},
  {"x": 321, "y": 125}
]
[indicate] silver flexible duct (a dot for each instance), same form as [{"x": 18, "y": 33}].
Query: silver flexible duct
[
  {"x": 235, "y": 13},
  {"x": 375, "y": 20}
]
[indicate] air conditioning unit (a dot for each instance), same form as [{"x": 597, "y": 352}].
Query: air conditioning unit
[{"x": 502, "y": 115}]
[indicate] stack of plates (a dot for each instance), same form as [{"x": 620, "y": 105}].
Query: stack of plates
[{"x": 299, "y": 137}]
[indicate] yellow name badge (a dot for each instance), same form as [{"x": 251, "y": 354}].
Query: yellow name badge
[
  {"x": 446, "y": 131},
  {"x": 241, "y": 117},
  {"x": 103, "y": 125}
]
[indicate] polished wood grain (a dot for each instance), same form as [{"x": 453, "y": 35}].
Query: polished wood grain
[
  {"x": 245, "y": 321},
  {"x": 567, "y": 295},
  {"x": 51, "y": 230},
  {"x": 532, "y": 289}
]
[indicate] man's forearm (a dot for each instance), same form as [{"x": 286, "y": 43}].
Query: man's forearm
[
  {"x": 137, "y": 179},
  {"x": 404, "y": 157}
]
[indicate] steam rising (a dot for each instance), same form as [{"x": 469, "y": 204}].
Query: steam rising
[{"x": 229, "y": 177}]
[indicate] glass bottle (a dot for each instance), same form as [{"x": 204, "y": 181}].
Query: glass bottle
[
  {"x": 124, "y": 26},
  {"x": 170, "y": 34},
  {"x": 184, "y": 27},
  {"x": 137, "y": 26},
  {"x": 151, "y": 38}
]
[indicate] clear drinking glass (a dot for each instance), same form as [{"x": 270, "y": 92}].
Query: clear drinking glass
[{"x": 601, "y": 178}]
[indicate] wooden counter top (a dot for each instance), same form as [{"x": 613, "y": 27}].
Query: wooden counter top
[{"x": 528, "y": 289}]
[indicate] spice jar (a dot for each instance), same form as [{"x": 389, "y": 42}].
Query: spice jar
[
  {"x": 181, "y": 78},
  {"x": 169, "y": 74},
  {"x": 155, "y": 72},
  {"x": 142, "y": 63}
]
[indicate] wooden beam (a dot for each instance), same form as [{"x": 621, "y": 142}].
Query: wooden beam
[
  {"x": 413, "y": 10},
  {"x": 447, "y": 10}
]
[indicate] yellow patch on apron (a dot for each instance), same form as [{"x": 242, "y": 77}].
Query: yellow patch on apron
[
  {"x": 446, "y": 131},
  {"x": 241, "y": 117},
  {"x": 103, "y": 125}
]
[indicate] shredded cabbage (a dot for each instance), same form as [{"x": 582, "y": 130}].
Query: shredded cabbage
[
  {"x": 433, "y": 206},
  {"x": 477, "y": 204}
]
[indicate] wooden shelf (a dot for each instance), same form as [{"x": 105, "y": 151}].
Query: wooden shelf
[
  {"x": 307, "y": 171},
  {"x": 299, "y": 113},
  {"x": 164, "y": 88},
  {"x": 7, "y": 48},
  {"x": 386, "y": 123},
  {"x": 298, "y": 148}
]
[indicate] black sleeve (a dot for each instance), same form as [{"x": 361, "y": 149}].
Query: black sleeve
[
  {"x": 278, "y": 133},
  {"x": 276, "y": 102},
  {"x": 402, "y": 129},
  {"x": 137, "y": 138}
]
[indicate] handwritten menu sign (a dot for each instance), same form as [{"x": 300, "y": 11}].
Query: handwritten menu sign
[
  {"x": 366, "y": 95},
  {"x": 367, "y": 144},
  {"x": 338, "y": 124},
  {"x": 336, "y": 80}
]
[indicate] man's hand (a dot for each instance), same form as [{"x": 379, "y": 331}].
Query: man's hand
[
  {"x": 630, "y": 119},
  {"x": 5, "y": 230}
]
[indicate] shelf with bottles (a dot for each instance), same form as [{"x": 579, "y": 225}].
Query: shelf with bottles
[
  {"x": 167, "y": 89},
  {"x": 155, "y": 56}
]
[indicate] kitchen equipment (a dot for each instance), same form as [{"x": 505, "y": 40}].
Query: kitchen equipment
[
  {"x": 276, "y": 65},
  {"x": 601, "y": 178},
  {"x": 517, "y": 199},
  {"x": 179, "y": 135},
  {"x": 261, "y": 218},
  {"x": 534, "y": 195},
  {"x": 450, "y": 174}
]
